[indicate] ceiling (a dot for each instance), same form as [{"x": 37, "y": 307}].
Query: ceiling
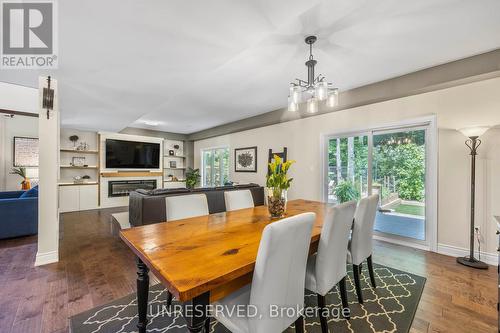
[{"x": 191, "y": 65}]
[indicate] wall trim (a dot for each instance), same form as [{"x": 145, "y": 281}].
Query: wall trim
[
  {"x": 459, "y": 72},
  {"x": 46, "y": 258},
  {"x": 402, "y": 242},
  {"x": 455, "y": 251}
]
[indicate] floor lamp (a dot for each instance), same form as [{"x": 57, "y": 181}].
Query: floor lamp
[{"x": 473, "y": 142}]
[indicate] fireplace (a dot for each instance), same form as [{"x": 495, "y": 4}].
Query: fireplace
[{"x": 121, "y": 188}]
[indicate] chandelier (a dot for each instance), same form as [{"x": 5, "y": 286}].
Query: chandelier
[{"x": 314, "y": 90}]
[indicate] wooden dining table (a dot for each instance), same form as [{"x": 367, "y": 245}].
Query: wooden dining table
[{"x": 203, "y": 259}]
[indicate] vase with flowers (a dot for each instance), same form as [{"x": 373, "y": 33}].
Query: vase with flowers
[{"x": 278, "y": 183}]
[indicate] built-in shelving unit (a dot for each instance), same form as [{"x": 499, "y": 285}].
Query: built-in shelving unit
[
  {"x": 78, "y": 195},
  {"x": 179, "y": 159}
]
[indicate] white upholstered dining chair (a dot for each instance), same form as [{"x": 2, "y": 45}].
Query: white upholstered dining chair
[
  {"x": 186, "y": 206},
  {"x": 238, "y": 199},
  {"x": 327, "y": 267},
  {"x": 278, "y": 279},
  {"x": 361, "y": 243},
  {"x": 183, "y": 207}
]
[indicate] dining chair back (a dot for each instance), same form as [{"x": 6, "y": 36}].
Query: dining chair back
[
  {"x": 238, "y": 199},
  {"x": 332, "y": 249},
  {"x": 362, "y": 232},
  {"x": 278, "y": 277},
  {"x": 186, "y": 206}
]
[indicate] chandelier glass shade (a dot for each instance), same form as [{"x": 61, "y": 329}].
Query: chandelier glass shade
[{"x": 313, "y": 90}]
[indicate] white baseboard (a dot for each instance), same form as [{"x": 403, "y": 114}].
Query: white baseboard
[
  {"x": 402, "y": 242},
  {"x": 46, "y": 258},
  {"x": 455, "y": 251}
]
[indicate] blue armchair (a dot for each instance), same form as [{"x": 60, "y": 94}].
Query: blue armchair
[{"x": 18, "y": 213}]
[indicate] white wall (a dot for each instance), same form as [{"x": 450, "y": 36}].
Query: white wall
[
  {"x": 18, "y": 98},
  {"x": 9, "y": 128},
  {"x": 473, "y": 104}
]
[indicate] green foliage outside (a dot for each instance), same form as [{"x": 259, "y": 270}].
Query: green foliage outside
[
  {"x": 346, "y": 191},
  {"x": 398, "y": 164},
  {"x": 410, "y": 209}
]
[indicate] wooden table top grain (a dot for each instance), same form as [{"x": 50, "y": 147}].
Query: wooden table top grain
[{"x": 213, "y": 253}]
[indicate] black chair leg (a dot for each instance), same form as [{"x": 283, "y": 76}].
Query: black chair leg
[
  {"x": 299, "y": 325},
  {"x": 207, "y": 325},
  {"x": 370, "y": 270},
  {"x": 360, "y": 268},
  {"x": 169, "y": 298},
  {"x": 322, "y": 318},
  {"x": 357, "y": 283},
  {"x": 343, "y": 297}
]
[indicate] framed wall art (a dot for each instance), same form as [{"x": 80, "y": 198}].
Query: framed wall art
[{"x": 245, "y": 159}]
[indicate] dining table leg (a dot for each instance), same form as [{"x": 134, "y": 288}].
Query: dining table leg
[
  {"x": 142, "y": 295},
  {"x": 196, "y": 312}
]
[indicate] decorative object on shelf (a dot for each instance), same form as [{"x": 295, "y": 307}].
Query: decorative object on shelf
[
  {"x": 25, "y": 152},
  {"x": 473, "y": 142},
  {"x": 175, "y": 179},
  {"x": 245, "y": 159},
  {"x": 171, "y": 153},
  {"x": 173, "y": 164},
  {"x": 78, "y": 180},
  {"x": 176, "y": 150},
  {"x": 192, "y": 177},
  {"x": 21, "y": 172},
  {"x": 83, "y": 146},
  {"x": 78, "y": 161},
  {"x": 48, "y": 98},
  {"x": 74, "y": 139},
  {"x": 278, "y": 183},
  {"x": 313, "y": 90},
  {"x": 170, "y": 177}
]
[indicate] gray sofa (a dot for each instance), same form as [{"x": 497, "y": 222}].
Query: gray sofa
[{"x": 147, "y": 207}]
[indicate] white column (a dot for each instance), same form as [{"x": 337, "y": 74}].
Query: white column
[{"x": 48, "y": 216}]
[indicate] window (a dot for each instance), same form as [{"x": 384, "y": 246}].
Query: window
[{"x": 215, "y": 166}]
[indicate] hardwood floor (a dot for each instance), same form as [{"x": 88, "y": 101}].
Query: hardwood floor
[{"x": 96, "y": 267}]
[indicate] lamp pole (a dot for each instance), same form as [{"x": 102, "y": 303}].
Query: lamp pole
[{"x": 473, "y": 143}]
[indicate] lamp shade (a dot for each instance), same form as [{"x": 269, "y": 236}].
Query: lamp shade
[{"x": 474, "y": 131}]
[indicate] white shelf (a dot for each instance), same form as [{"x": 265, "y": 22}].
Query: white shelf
[
  {"x": 74, "y": 151},
  {"x": 175, "y": 168},
  {"x": 69, "y": 183},
  {"x": 175, "y": 156},
  {"x": 78, "y": 167}
]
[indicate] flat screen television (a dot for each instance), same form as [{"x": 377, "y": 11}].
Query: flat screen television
[{"x": 121, "y": 154}]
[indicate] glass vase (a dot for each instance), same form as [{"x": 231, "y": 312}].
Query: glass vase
[{"x": 276, "y": 202}]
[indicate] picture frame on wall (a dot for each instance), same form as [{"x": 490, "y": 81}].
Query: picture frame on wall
[
  {"x": 245, "y": 159},
  {"x": 25, "y": 151}
]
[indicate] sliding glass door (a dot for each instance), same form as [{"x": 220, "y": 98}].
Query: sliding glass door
[
  {"x": 391, "y": 163},
  {"x": 399, "y": 168},
  {"x": 215, "y": 166}
]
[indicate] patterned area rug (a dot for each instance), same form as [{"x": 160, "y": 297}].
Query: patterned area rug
[{"x": 389, "y": 308}]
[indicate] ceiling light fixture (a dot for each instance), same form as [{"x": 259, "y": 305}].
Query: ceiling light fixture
[{"x": 314, "y": 90}]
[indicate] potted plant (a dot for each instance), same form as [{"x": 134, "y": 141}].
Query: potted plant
[
  {"x": 25, "y": 184},
  {"x": 192, "y": 177},
  {"x": 277, "y": 183}
]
